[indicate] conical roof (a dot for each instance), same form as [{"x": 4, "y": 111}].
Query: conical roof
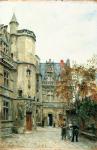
[{"x": 14, "y": 19}]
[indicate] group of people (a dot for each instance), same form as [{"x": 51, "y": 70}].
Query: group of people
[{"x": 70, "y": 131}]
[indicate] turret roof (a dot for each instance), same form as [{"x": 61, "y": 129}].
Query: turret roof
[{"x": 14, "y": 19}]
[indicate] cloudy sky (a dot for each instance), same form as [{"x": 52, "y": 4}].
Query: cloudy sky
[{"x": 63, "y": 29}]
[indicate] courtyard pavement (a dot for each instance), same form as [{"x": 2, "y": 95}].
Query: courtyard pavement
[{"x": 47, "y": 138}]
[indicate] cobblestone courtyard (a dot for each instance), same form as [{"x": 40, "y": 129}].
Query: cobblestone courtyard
[{"x": 44, "y": 139}]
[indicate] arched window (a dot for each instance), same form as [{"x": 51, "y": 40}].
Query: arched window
[{"x": 28, "y": 72}]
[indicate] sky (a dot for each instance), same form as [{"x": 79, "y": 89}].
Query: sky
[{"x": 63, "y": 29}]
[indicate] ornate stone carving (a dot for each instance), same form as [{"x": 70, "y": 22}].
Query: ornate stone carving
[{"x": 28, "y": 106}]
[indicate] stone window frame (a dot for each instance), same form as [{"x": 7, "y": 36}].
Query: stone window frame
[
  {"x": 28, "y": 71},
  {"x": 20, "y": 92},
  {"x": 5, "y": 109},
  {"x": 4, "y": 47},
  {"x": 6, "y": 78},
  {"x": 28, "y": 74}
]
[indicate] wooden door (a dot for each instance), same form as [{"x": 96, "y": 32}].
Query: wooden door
[{"x": 29, "y": 121}]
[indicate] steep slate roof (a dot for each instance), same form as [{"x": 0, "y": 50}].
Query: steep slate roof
[{"x": 57, "y": 67}]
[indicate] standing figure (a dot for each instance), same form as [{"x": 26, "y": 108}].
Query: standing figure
[
  {"x": 75, "y": 133},
  {"x": 69, "y": 131},
  {"x": 63, "y": 131}
]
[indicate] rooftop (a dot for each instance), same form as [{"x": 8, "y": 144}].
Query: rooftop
[{"x": 27, "y": 32}]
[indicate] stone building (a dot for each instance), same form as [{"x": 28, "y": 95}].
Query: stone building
[
  {"x": 53, "y": 106},
  {"x": 7, "y": 83},
  {"x": 27, "y": 87},
  {"x": 23, "y": 52},
  {"x": 20, "y": 98}
]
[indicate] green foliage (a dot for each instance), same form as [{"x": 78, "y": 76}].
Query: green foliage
[{"x": 87, "y": 109}]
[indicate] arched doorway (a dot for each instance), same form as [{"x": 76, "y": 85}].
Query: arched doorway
[{"x": 50, "y": 119}]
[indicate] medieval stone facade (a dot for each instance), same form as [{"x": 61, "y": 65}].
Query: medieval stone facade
[
  {"x": 19, "y": 80},
  {"x": 53, "y": 105},
  {"x": 7, "y": 83},
  {"x": 27, "y": 87}
]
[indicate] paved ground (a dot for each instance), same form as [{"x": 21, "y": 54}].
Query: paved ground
[{"x": 44, "y": 139}]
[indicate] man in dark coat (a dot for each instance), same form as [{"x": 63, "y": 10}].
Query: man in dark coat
[
  {"x": 75, "y": 133},
  {"x": 63, "y": 131}
]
